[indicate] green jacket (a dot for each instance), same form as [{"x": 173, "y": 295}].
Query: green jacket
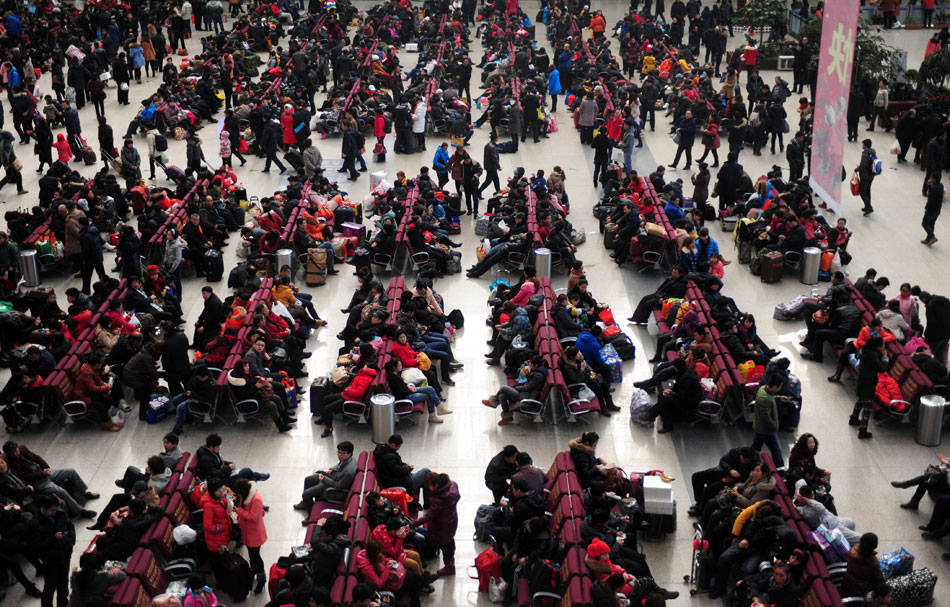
[{"x": 765, "y": 417}]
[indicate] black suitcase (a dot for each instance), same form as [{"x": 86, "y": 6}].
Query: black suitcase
[
  {"x": 237, "y": 276},
  {"x": 342, "y": 214},
  {"x": 294, "y": 159},
  {"x": 624, "y": 347},
  {"x": 772, "y": 266},
  {"x": 214, "y": 265},
  {"x": 232, "y": 574},
  {"x": 318, "y": 389}
]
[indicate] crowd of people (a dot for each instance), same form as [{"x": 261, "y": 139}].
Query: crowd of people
[{"x": 121, "y": 344}]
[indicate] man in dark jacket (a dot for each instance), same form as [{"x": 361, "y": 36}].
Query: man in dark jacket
[
  {"x": 844, "y": 322},
  {"x": 391, "y": 471},
  {"x": 874, "y": 360},
  {"x": 674, "y": 286},
  {"x": 935, "y": 193},
  {"x": 63, "y": 484},
  {"x": 339, "y": 477},
  {"x": 499, "y": 470},
  {"x": 935, "y": 158},
  {"x": 491, "y": 163},
  {"x": 270, "y": 137},
  {"x": 529, "y": 389},
  {"x": 602, "y": 146},
  {"x": 90, "y": 243},
  {"x": 350, "y": 151},
  {"x": 195, "y": 156},
  {"x": 728, "y": 177},
  {"x": 209, "y": 321},
  {"x": 564, "y": 321},
  {"x": 687, "y": 134},
  {"x": 733, "y": 467},
  {"x": 795, "y": 155},
  {"x": 53, "y": 539},
  {"x": 865, "y": 171},
  {"x": 937, "y": 331},
  {"x": 212, "y": 465},
  {"x": 682, "y": 398}
]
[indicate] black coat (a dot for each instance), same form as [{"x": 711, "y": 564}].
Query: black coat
[{"x": 390, "y": 469}]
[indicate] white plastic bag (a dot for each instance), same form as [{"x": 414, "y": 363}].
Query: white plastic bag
[
  {"x": 497, "y": 589},
  {"x": 586, "y": 393},
  {"x": 640, "y": 403},
  {"x": 184, "y": 535},
  {"x": 895, "y": 148}
]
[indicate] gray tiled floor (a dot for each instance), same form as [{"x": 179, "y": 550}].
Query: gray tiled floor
[{"x": 463, "y": 445}]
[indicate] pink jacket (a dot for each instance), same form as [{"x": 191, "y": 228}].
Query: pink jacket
[
  {"x": 524, "y": 294},
  {"x": 369, "y": 573},
  {"x": 208, "y": 599},
  {"x": 251, "y": 521}
]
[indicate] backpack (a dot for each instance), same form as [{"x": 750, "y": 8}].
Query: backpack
[
  {"x": 486, "y": 518},
  {"x": 876, "y": 165},
  {"x": 161, "y": 144}
]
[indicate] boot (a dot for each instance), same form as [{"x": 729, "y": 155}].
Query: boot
[
  {"x": 447, "y": 570},
  {"x": 442, "y": 409},
  {"x": 261, "y": 582},
  {"x": 434, "y": 418}
]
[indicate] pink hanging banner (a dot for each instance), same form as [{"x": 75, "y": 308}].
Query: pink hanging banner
[{"x": 838, "y": 34}]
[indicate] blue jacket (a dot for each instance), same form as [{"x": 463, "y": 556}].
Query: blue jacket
[
  {"x": 554, "y": 82},
  {"x": 673, "y": 212},
  {"x": 440, "y": 162},
  {"x": 14, "y": 27},
  {"x": 71, "y": 118},
  {"x": 137, "y": 56},
  {"x": 589, "y": 347},
  {"x": 705, "y": 252},
  {"x": 564, "y": 60}
]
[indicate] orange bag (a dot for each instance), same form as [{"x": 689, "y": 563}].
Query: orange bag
[
  {"x": 826, "y": 258},
  {"x": 398, "y": 497}
]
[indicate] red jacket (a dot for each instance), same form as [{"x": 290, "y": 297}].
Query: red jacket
[
  {"x": 378, "y": 579},
  {"x": 216, "y": 523},
  {"x": 360, "y": 384},
  {"x": 379, "y": 127},
  {"x": 392, "y": 546},
  {"x": 405, "y": 354}
]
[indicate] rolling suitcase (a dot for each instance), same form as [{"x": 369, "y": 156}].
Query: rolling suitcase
[
  {"x": 318, "y": 389},
  {"x": 88, "y": 155},
  {"x": 214, "y": 265},
  {"x": 172, "y": 172},
  {"x": 772, "y": 266},
  {"x": 294, "y": 159},
  {"x": 342, "y": 214},
  {"x": 232, "y": 574},
  {"x": 316, "y": 272}
]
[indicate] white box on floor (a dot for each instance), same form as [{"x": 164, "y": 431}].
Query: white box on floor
[
  {"x": 659, "y": 507},
  {"x": 656, "y": 490},
  {"x": 412, "y": 47}
]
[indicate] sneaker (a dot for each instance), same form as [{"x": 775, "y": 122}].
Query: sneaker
[
  {"x": 505, "y": 421},
  {"x": 490, "y": 402}
]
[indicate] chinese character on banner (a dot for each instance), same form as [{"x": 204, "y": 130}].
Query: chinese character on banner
[{"x": 838, "y": 35}]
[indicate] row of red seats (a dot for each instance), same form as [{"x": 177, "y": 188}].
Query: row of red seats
[
  {"x": 60, "y": 380},
  {"x": 565, "y": 501},
  {"x": 817, "y": 590},
  {"x": 354, "y": 508},
  {"x": 152, "y": 567},
  {"x": 913, "y": 382},
  {"x": 723, "y": 370}
]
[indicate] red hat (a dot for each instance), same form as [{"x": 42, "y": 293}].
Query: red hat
[
  {"x": 598, "y": 548},
  {"x": 151, "y": 270}
]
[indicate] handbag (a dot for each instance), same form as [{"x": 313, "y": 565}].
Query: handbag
[
  {"x": 497, "y": 589},
  {"x": 397, "y": 575},
  {"x": 123, "y": 86},
  {"x": 855, "y": 184},
  {"x": 423, "y": 361},
  {"x": 676, "y": 137},
  {"x": 17, "y": 165},
  {"x": 339, "y": 375}
]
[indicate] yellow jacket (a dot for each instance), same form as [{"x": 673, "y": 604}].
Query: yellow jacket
[{"x": 284, "y": 294}]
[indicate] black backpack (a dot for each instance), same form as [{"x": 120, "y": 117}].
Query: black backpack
[{"x": 387, "y": 124}]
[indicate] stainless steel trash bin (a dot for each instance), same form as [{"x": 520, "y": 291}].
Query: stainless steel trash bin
[
  {"x": 383, "y": 414},
  {"x": 542, "y": 263},
  {"x": 811, "y": 256},
  {"x": 30, "y": 267},
  {"x": 375, "y": 178},
  {"x": 285, "y": 257},
  {"x": 930, "y": 420}
]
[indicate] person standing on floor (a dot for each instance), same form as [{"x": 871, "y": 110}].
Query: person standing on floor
[
  {"x": 687, "y": 135},
  {"x": 935, "y": 193},
  {"x": 90, "y": 245},
  {"x": 250, "y": 518},
  {"x": 765, "y": 420},
  {"x": 351, "y": 149},
  {"x": 554, "y": 86},
  {"x": 491, "y": 162},
  {"x": 441, "y": 518},
  {"x": 865, "y": 172},
  {"x": 874, "y": 360},
  {"x": 9, "y": 162},
  {"x": 53, "y": 539}
]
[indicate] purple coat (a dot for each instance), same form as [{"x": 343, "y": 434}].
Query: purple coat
[{"x": 441, "y": 519}]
